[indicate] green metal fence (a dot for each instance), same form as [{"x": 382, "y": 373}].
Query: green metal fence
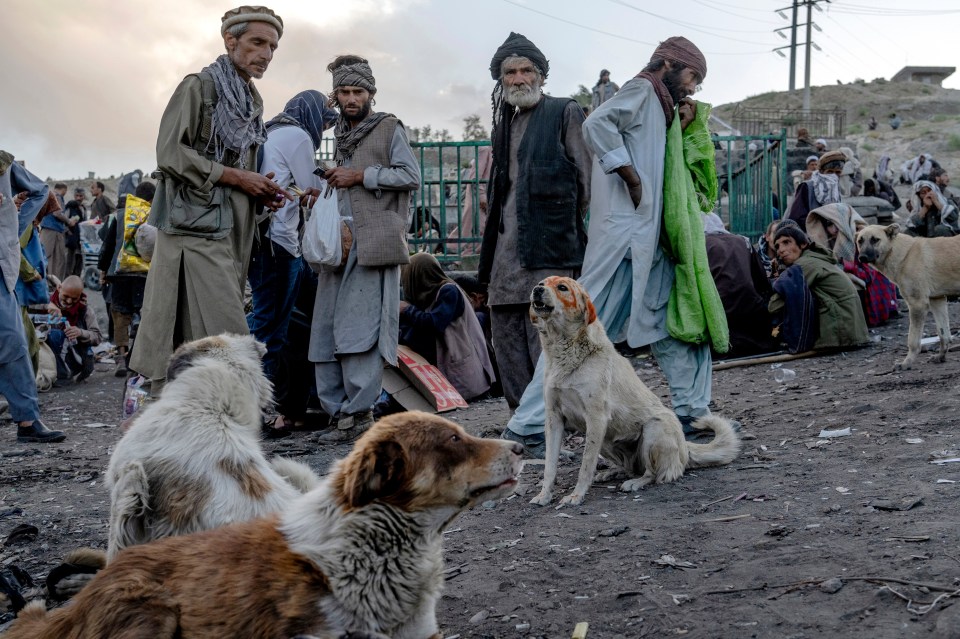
[{"x": 753, "y": 183}]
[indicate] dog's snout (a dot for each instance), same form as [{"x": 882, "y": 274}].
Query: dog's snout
[
  {"x": 517, "y": 448},
  {"x": 538, "y": 290}
]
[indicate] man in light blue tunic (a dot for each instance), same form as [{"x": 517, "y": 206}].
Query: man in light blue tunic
[
  {"x": 625, "y": 270},
  {"x": 356, "y": 318}
]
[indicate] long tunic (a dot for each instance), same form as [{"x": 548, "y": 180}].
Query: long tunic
[
  {"x": 359, "y": 308},
  {"x": 629, "y": 129},
  {"x": 194, "y": 282}
]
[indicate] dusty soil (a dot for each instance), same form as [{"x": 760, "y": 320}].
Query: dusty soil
[{"x": 754, "y": 542}]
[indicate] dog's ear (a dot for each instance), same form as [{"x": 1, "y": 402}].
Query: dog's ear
[
  {"x": 376, "y": 472},
  {"x": 180, "y": 361},
  {"x": 590, "y": 312},
  {"x": 892, "y": 230}
]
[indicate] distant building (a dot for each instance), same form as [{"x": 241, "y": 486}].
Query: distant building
[{"x": 924, "y": 75}]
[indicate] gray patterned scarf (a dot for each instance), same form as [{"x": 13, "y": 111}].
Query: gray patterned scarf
[
  {"x": 349, "y": 139},
  {"x": 237, "y": 123}
]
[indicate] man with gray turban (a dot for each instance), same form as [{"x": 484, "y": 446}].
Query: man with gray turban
[
  {"x": 208, "y": 194},
  {"x": 625, "y": 270},
  {"x": 356, "y": 317},
  {"x": 540, "y": 193}
]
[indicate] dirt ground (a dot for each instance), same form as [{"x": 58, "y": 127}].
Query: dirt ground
[{"x": 802, "y": 536}]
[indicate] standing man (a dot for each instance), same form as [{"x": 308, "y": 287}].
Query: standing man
[
  {"x": 53, "y": 230},
  {"x": 76, "y": 213},
  {"x": 293, "y": 138},
  {"x": 207, "y": 195},
  {"x": 356, "y": 318},
  {"x": 101, "y": 207},
  {"x": 603, "y": 90},
  {"x": 625, "y": 270},
  {"x": 540, "y": 191},
  {"x": 18, "y": 384}
]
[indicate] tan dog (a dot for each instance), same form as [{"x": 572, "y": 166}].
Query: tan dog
[
  {"x": 362, "y": 552},
  {"x": 591, "y": 388},
  {"x": 925, "y": 269}
]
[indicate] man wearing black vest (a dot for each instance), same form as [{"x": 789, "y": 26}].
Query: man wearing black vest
[{"x": 540, "y": 190}]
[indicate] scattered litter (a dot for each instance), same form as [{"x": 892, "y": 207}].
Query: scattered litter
[
  {"x": 563, "y": 515},
  {"x": 909, "y": 539},
  {"x": 580, "y": 630},
  {"x": 22, "y": 533},
  {"x": 952, "y": 460},
  {"x": 480, "y": 617},
  {"x": 843, "y": 432},
  {"x": 673, "y": 562},
  {"x": 96, "y": 425},
  {"x": 905, "y": 504},
  {"x": 946, "y": 481},
  {"x": 913, "y": 440},
  {"x": 818, "y": 443},
  {"x": 522, "y": 627},
  {"x": 679, "y": 599},
  {"x": 613, "y": 532},
  {"x": 843, "y": 490}
]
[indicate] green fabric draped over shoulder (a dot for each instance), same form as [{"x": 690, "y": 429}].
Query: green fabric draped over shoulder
[{"x": 695, "y": 312}]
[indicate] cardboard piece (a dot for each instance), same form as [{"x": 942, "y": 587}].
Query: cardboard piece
[
  {"x": 403, "y": 391},
  {"x": 429, "y": 381}
]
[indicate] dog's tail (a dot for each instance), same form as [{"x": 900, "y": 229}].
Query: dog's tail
[
  {"x": 297, "y": 474},
  {"x": 722, "y": 450},
  {"x": 130, "y": 503},
  {"x": 31, "y": 621}
]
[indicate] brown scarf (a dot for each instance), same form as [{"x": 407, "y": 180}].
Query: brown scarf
[
  {"x": 666, "y": 100},
  {"x": 421, "y": 280}
]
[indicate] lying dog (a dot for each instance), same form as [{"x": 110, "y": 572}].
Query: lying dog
[
  {"x": 362, "y": 552},
  {"x": 925, "y": 269},
  {"x": 192, "y": 460},
  {"x": 591, "y": 388}
]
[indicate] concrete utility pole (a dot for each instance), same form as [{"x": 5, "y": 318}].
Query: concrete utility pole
[
  {"x": 810, "y": 4},
  {"x": 806, "y": 76},
  {"x": 793, "y": 47}
]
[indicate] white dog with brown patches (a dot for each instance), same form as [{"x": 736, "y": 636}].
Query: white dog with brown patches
[
  {"x": 192, "y": 460},
  {"x": 591, "y": 388},
  {"x": 358, "y": 555}
]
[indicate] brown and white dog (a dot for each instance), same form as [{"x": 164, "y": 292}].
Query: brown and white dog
[
  {"x": 591, "y": 388},
  {"x": 192, "y": 460},
  {"x": 362, "y": 552}
]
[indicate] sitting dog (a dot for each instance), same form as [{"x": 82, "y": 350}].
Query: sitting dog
[
  {"x": 925, "y": 269},
  {"x": 591, "y": 388},
  {"x": 361, "y": 553},
  {"x": 192, "y": 460}
]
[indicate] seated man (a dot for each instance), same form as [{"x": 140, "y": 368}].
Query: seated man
[
  {"x": 932, "y": 214},
  {"x": 840, "y": 315},
  {"x": 72, "y": 343}
]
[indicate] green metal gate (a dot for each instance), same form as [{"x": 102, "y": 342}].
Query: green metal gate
[{"x": 753, "y": 183}]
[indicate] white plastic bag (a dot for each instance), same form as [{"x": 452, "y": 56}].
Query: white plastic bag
[{"x": 321, "y": 244}]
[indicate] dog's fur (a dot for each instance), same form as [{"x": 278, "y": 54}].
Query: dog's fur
[
  {"x": 362, "y": 552},
  {"x": 192, "y": 460},
  {"x": 925, "y": 269},
  {"x": 591, "y": 388}
]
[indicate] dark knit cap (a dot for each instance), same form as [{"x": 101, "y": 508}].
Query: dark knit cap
[
  {"x": 518, "y": 45},
  {"x": 791, "y": 231}
]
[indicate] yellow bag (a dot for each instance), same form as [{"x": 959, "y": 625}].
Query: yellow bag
[{"x": 134, "y": 214}]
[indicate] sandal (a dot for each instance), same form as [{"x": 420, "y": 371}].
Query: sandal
[{"x": 270, "y": 430}]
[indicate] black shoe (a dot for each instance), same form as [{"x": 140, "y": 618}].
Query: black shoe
[
  {"x": 269, "y": 430},
  {"x": 534, "y": 445},
  {"x": 37, "y": 433}
]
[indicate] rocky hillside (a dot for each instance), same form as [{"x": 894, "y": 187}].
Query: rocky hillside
[{"x": 931, "y": 118}]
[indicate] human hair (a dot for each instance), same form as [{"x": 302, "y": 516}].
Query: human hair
[
  {"x": 656, "y": 64},
  {"x": 59, "y": 185},
  {"x": 794, "y": 233},
  {"x": 100, "y": 186},
  {"x": 79, "y": 190},
  {"x": 145, "y": 191},
  {"x": 238, "y": 29},
  {"x": 935, "y": 172}
]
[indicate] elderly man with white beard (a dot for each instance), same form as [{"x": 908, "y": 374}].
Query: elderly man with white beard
[{"x": 540, "y": 191}]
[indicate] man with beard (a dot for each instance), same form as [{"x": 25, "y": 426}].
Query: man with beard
[
  {"x": 540, "y": 192},
  {"x": 101, "y": 207},
  {"x": 207, "y": 195},
  {"x": 356, "y": 319},
  {"x": 625, "y": 270}
]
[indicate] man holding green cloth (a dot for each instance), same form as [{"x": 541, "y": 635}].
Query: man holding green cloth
[{"x": 646, "y": 291}]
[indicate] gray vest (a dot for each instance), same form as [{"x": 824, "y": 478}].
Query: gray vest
[{"x": 379, "y": 217}]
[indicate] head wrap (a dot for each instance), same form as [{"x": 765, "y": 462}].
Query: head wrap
[
  {"x": 355, "y": 75},
  {"x": 826, "y": 188},
  {"x": 917, "y": 201},
  {"x": 822, "y": 141},
  {"x": 309, "y": 111},
  {"x": 421, "y": 280},
  {"x": 831, "y": 159},
  {"x": 847, "y": 221},
  {"x": 813, "y": 158},
  {"x": 680, "y": 50},
  {"x": 792, "y": 231},
  {"x": 518, "y": 45},
  {"x": 247, "y": 13}
]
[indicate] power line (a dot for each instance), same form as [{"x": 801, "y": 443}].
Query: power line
[
  {"x": 689, "y": 25},
  {"x": 727, "y": 12},
  {"x": 614, "y": 35}
]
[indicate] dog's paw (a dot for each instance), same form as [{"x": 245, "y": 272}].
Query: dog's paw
[
  {"x": 542, "y": 499},
  {"x": 609, "y": 475},
  {"x": 573, "y": 499},
  {"x": 903, "y": 366},
  {"x": 939, "y": 359},
  {"x": 635, "y": 484}
]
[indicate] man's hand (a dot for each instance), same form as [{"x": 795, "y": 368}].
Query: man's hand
[
  {"x": 72, "y": 222},
  {"x": 343, "y": 177},
  {"x": 632, "y": 179},
  {"x": 72, "y": 332},
  {"x": 688, "y": 112},
  {"x": 261, "y": 187},
  {"x": 53, "y": 310},
  {"x": 309, "y": 197},
  {"x": 403, "y": 305},
  {"x": 103, "y": 278},
  {"x": 20, "y": 198}
]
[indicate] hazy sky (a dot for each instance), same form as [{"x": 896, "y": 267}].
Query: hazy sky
[{"x": 85, "y": 81}]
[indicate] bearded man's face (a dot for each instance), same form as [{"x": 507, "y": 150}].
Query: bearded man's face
[
  {"x": 521, "y": 83},
  {"x": 354, "y": 103},
  {"x": 681, "y": 83}
]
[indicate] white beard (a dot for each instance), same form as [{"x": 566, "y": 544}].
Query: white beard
[{"x": 523, "y": 96}]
